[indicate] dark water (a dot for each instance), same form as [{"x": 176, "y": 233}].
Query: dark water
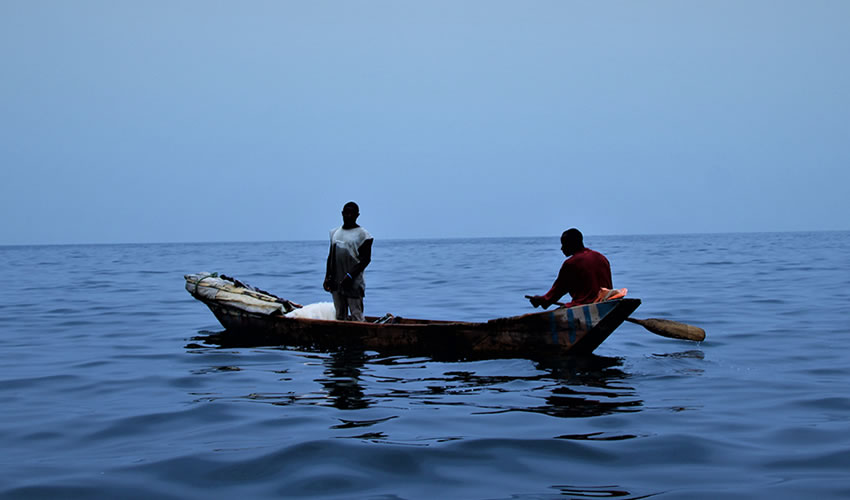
[{"x": 110, "y": 387}]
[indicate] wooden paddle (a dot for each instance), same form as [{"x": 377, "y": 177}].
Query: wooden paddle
[
  {"x": 671, "y": 329},
  {"x": 664, "y": 327}
]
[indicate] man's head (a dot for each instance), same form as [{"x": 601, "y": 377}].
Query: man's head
[
  {"x": 571, "y": 241},
  {"x": 350, "y": 212}
]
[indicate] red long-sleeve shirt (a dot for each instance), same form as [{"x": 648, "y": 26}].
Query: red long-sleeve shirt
[{"x": 582, "y": 275}]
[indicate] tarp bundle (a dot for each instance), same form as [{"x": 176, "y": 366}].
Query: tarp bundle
[{"x": 232, "y": 292}]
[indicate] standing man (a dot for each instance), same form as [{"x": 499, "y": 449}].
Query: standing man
[
  {"x": 349, "y": 254},
  {"x": 582, "y": 275}
]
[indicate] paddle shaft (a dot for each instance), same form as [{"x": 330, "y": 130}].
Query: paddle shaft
[
  {"x": 670, "y": 329},
  {"x": 663, "y": 327}
]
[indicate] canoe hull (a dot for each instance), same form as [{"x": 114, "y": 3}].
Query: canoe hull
[{"x": 577, "y": 330}]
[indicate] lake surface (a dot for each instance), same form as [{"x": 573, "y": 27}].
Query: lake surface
[{"x": 112, "y": 384}]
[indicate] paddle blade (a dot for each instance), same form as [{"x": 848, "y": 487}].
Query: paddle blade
[{"x": 671, "y": 329}]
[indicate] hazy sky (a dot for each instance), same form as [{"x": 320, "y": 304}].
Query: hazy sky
[{"x": 157, "y": 121}]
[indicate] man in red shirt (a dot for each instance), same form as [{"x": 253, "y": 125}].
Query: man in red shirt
[{"x": 582, "y": 275}]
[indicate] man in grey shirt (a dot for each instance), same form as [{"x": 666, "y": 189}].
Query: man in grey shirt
[{"x": 350, "y": 252}]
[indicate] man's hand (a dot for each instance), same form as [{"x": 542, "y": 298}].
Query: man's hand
[
  {"x": 538, "y": 300},
  {"x": 346, "y": 281},
  {"x": 327, "y": 284}
]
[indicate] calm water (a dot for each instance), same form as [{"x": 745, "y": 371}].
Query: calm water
[{"x": 111, "y": 385}]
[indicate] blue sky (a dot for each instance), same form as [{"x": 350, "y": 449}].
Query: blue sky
[{"x": 167, "y": 121}]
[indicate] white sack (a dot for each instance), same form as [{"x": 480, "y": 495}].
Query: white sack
[{"x": 319, "y": 310}]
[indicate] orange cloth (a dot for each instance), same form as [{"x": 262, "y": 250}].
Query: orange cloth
[{"x": 608, "y": 294}]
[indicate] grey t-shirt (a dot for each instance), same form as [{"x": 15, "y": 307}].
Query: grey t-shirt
[{"x": 345, "y": 247}]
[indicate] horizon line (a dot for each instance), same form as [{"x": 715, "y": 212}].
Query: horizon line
[{"x": 417, "y": 238}]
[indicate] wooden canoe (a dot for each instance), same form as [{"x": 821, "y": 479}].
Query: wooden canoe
[{"x": 576, "y": 330}]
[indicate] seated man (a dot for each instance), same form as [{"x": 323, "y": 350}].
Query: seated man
[{"x": 582, "y": 275}]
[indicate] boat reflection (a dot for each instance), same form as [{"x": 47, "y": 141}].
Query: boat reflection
[
  {"x": 585, "y": 386},
  {"x": 565, "y": 387},
  {"x": 342, "y": 380}
]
